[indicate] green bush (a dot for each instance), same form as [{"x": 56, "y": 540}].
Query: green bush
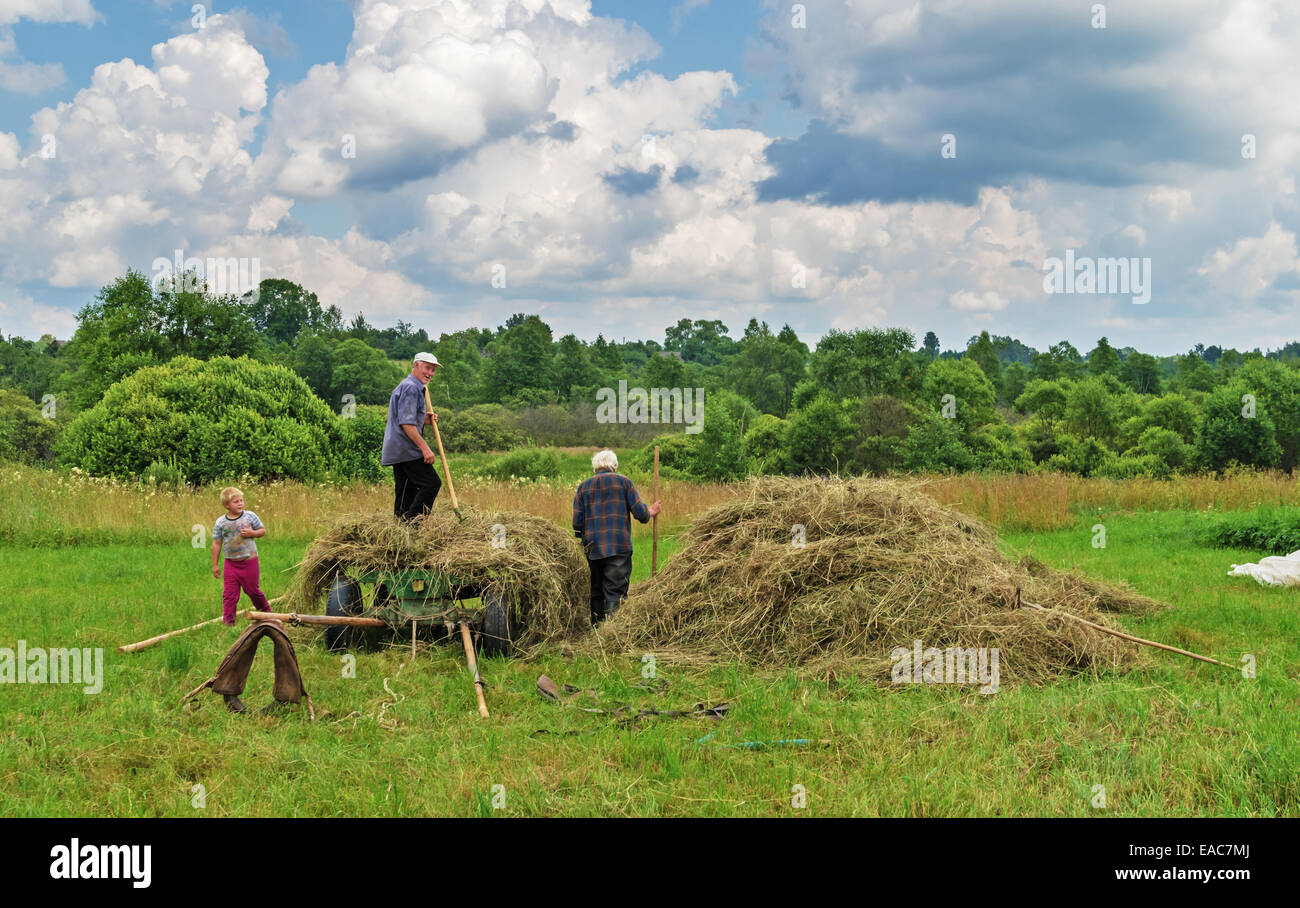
[
  {"x": 1271, "y": 529},
  {"x": 485, "y": 427},
  {"x": 675, "y": 457},
  {"x": 1226, "y": 434},
  {"x": 1133, "y": 466},
  {"x": 937, "y": 444},
  {"x": 526, "y": 463},
  {"x": 361, "y": 442},
  {"x": 765, "y": 443},
  {"x": 214, "y": 420},
  {"x": 25, "y": 435}
]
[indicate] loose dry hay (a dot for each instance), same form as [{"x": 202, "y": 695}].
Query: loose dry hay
[
  {"x": 882, "y": 565},
  {"x": 541, "y": 567}
]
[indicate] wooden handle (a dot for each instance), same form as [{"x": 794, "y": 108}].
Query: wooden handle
[
  {"x": 295, "y": 618},
  {"x": 1124, "y": 636},
  {"x": 473, "y": 667},
  {"x": 654, "y": 522},
  {"x": 145, "y": 644},
  {"x": 437, "y": 436}
]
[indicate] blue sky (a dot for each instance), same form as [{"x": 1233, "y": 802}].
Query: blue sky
[{"x": 628, "y": 164}]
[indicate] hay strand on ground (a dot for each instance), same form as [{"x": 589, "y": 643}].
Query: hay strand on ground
[{"x": 881, "y": 565}]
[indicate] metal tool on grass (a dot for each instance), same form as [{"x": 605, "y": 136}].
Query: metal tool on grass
[{"x": 428, "y": 408}]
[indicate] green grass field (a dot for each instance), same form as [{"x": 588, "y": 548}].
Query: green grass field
[{"x": 1176, "y": 737}]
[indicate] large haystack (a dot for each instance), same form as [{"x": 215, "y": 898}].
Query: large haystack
[
  {"x": 882, "y": 565},
  {"x": 540, "y": 565}
]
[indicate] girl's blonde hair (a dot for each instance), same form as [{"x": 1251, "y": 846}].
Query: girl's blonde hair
[{"x": 228, "y": 493}]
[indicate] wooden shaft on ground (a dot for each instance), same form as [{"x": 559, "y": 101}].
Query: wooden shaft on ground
[
  {"x": 654, "y": 522},
  {"x": 1124, "y": 636},
  {"x": 294, "y": 618},
  {"x": 446, "y": 473},
  {"x": 473, "y": 667},
  {"x": 145, "y": 644}
]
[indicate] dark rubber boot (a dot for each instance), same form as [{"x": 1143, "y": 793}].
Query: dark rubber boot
[
  {"x": 233, "y": 704},
  {"x": 274, "y": 707}
]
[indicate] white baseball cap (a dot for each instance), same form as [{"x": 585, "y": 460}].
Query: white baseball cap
[{"x": 427, "y": 358}]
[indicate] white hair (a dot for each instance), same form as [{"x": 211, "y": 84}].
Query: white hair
[{"x": 604, "y": 460}]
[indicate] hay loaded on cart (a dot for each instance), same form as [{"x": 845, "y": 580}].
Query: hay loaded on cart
[{"x": 500, "y": 582}]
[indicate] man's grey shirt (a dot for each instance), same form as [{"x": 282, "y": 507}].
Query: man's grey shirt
[{"x": 405, "y": 405}]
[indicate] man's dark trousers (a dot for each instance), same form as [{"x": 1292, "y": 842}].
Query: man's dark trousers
[
  {"x": 417, "y": 485},
  {"x": 609, "y": 579}
]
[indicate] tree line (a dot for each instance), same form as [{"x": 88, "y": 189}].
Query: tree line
[{"x": 865, "y": 401}]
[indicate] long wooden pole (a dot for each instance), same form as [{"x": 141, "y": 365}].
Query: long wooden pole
[
  {"x": 446, "y": 473},
  {"x": 654, "y": 522},
  {"x": 144, "y": 644},
  {"x": 295, "y": 618},
  {"x": 473, "y": 667},
  {"x": 1124, "y": 636}
]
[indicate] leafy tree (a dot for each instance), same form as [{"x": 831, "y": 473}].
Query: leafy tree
[
  {"x": 765, "y": 444},
  {"x": 1225, "y": 434},
  {"x": 864, "y": 363},
  {"x": 1015, "y": 378},
  {"x": 313, "y": 359},
  {"x": 1061, "y": 360},
  {"x": 26, "y": 436},
  {"x": 938, "y": 445},
  {"x": 129, "y": 326},
  {"x": 281, "y": 310},
  {"x": 364, "y": 372},
  {"x": 1103, "y": 359},
  {"x": 1194, "y": 373},
  {"x": 34, "y": 367},
  {"x": 931, "y": 344},
  {"x": 969, "y": 386},
  {"x": 520, "y": 358},
  {"x": 572, "y": 368},
  {"x": 1091, "y": 410},
  {"x": 766, "y": 368},
  {"x": 1141, "y": 372},
  {"x": 816, "y": 440},
  {"x": 982, "y": 353},
  {"x": 1277, "y": 393},
  {"x": 1046, "y": 399},
  {"x": 884, "y": 423},
  {"x": 703, "y": 342},
  {"x": 718, "y": 451}
]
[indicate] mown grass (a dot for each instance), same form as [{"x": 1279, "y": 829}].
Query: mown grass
[{"x": 1174, "y": 738}]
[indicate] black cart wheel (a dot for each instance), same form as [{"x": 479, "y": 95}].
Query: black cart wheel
[
  {"x": 344, "y": 599},
  {"x": 500, "y": 627}
]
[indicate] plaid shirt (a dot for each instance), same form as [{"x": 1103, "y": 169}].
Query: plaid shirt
[{"x": 600, "y": 514}]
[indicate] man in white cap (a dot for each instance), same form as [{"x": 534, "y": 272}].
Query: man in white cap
[{"x": 405, "y": 450}]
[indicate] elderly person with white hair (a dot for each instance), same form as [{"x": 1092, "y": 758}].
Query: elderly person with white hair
[
  {"x": 415, "y": 482},
  {"x": 602, "y": 512}
]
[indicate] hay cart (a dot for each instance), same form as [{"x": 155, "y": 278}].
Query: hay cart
[
  {"x": 365, "y": 607},
  {"x": 419, "y": 603}
]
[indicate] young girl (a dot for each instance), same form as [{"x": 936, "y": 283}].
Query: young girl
[{"x": 234, "y": 533}]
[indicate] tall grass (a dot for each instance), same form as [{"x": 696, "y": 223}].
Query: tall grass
[
  {"x": 1042, "y": 502},
  {"x": 44, "y": 507}
]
